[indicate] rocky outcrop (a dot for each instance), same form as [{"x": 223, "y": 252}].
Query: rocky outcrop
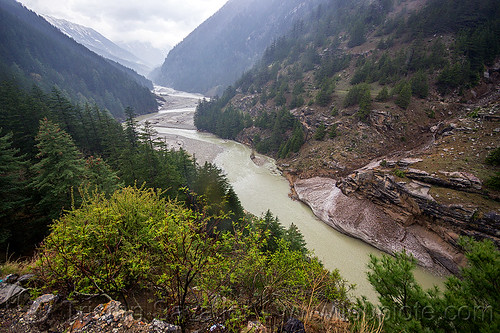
[{"x": 386, "y": 229}]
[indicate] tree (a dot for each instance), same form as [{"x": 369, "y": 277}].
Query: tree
[
  {"x": 419, "y": 85},
  {"x": 365, "y": 105},
  {"x": 383, "y": 95},
  {"x": 11, "y": 185},
  {"x": 59, "y": 171},
  {"x": 404, "y": 96},
  {"x": 469, "y": 303},
  {"x": 320, "y": 133}
]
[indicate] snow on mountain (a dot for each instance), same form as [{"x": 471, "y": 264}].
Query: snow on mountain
[{"x": 100, "y": 44}]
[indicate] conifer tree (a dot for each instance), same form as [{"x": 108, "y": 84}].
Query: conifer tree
[
  {"x": 59, "y": 171},
  {"x": 11, "y": 185},
  {"x": 404, "y": 97}
]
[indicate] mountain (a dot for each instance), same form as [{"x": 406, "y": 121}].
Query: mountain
[
  {"x": 32, "y": 51},
  {"x": 152, "y": 56},
  {"x": 96, "y": 42},
  {"x": 216, "y": 53},
  {"x": 384, "y": 116}
]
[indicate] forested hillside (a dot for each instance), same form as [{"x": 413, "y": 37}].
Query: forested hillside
[
  {"x": 356, "y": 61},
  {"x": 397, "y": 102},
  {"x": 32, "y": 51},
  {"x": 216, "y": 53}
]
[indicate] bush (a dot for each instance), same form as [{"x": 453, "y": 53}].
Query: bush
[
  {"x": 493, "y": 158},
  {"x": 138, "y": 241},
  {"x": 355, "y": 94},
  {"x": 404, "y": 97}
]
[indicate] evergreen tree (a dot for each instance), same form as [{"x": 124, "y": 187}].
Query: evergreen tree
[
  {"x": 11, "y": 185},
  {"x": 59, "y": 171},
  {"x": 365, "y": 105},
  {"x": 295, "y": 239},
  {"x": 404, "y": 96},
  {"x": 383, "y": 95},
  {"x": 320, "y": 133},
  {"x": 100, "y": 177}
]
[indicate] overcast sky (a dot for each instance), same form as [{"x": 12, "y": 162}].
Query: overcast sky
[{"x": 164, "y": 23}]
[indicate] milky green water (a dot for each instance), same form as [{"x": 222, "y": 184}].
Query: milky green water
[{"x": 260, "y": 188}]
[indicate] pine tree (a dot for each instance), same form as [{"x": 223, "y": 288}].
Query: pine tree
[
  {"x": 404, "y": 97},
  {"x": 11, "y": 185},
  {"x": 60, "y": 170}
]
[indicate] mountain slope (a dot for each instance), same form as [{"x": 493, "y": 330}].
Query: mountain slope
[
  {"x": 96, "y": 42},
  {"x": 33, "y": 51},
  {"x": 397, "y": 101},
  {"x": 215, "y": 54}
]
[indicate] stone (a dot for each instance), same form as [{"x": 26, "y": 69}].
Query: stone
[
  {"x": 11, "y": 278},
  {"x": 24, "y": 279},
  {"x": 254, "y": 327},
  {"x": 41, "y": 308},
  {"x": 293, "y": 325},
  {"x": 12, "y": 294},
  {"x": 158, "y": 326}
]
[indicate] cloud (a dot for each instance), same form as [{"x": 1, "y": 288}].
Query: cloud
[{"x": 163, "y": 23}]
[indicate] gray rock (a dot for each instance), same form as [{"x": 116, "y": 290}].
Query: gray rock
[
  {"x": 24, "y": 279},
  {"x": 293, "y": 325},
  {"x": 41, "y": 308},
  {"x": 158, "y": 326},
  {"x": 11, "y": 295}
]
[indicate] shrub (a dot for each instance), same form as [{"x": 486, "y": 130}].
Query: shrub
[
  {"x": 355, "y": 94},
  {"x": 493, "y": 158}
]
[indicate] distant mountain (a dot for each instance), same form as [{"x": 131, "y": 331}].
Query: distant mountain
[
  {"x": 152, "y": 56},
  {"x": 96, "y": 42},
  {"x": 32, "y": 51},
  {"x": 227, "y": 44}
]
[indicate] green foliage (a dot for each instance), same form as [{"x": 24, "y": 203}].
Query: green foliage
[
  {"x": 494, "y": 182},
  {"x": 403, "y": 98},
  {"x": 419, "y": 85},
  {"x": 365, "y": 105},
  {"x": 383, "y": 95},
  {"x": 493, "y": 158},
  {"x": 399, "y": 173},
  {"x": 356, "y": 94},
  {"x": 357, "y": 33},
  {"x": 469, "y": 303},
  {"x": 11, "y": 186},
  {"x": 320, "y": 133},
  {"x": 138, "y": 240},
  {"x": 59, "y": 171},
  {"x": 333, "y": 132}
]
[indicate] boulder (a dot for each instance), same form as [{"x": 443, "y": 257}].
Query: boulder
[
  {"x": 12, "y": 295},
  {"x": 41, "y": 309},
  {"x": 158, "y": 326},
  {"x": 293, "y": 325}
]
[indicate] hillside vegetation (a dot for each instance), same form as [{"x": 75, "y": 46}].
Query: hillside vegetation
[
  {"x": 216, "y": 53},
  {"x": 32, "y": 51}
]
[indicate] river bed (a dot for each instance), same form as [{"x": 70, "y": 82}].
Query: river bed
[{"x": 260, "y": 186}]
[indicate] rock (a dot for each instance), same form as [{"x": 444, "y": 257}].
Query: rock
[
  {"x": 293, "y": 325},
  {"x": 12, "y": 294},
  {"x": 377, "y": 211},
  {"x": 24, "y": 279},
  {"x": 254, "y": 327},
  {"x": 41, "y": 308},
  {"x": 158, "y": 326},
  {"x": 11, "y": 278}
]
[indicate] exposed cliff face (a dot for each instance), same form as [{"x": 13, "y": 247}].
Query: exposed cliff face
[
  {"x": 420, "y": 200},
  {"x": 372, "y": 223}
]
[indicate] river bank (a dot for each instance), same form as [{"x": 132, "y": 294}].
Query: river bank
[{"x": 261, "y": 186}]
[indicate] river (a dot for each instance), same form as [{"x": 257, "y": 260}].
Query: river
[{"x": 260, "y": 186}]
